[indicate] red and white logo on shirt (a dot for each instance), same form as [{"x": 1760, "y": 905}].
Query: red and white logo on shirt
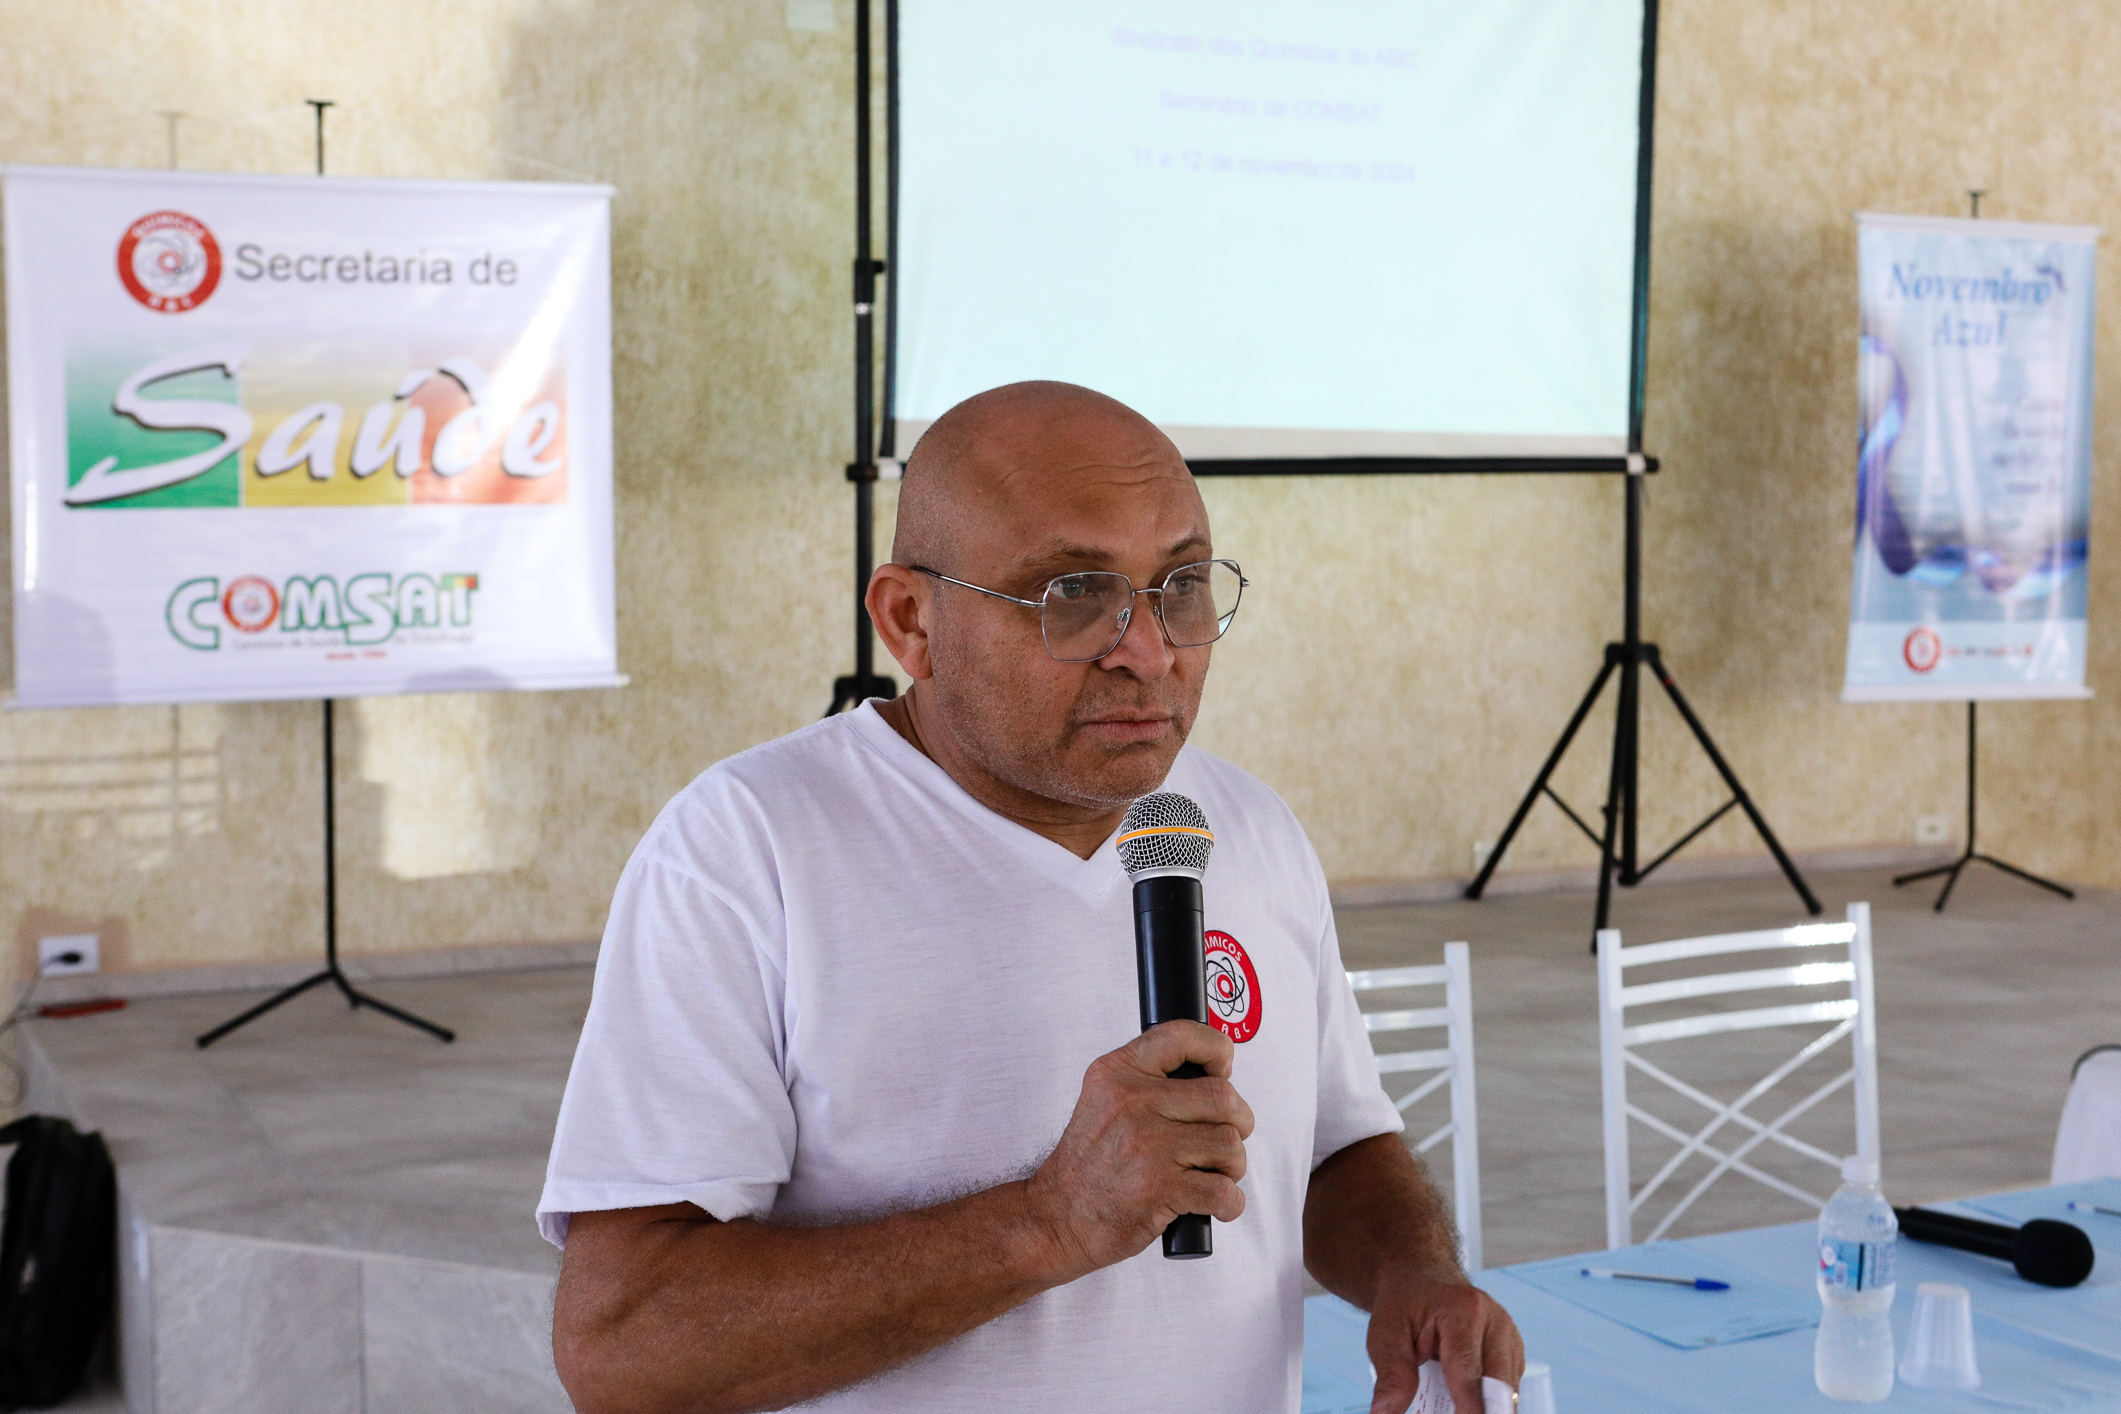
[{"x": 1233, "y": 988}]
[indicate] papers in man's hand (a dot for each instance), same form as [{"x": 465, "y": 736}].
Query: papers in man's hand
[{"x": 1434, "y": 1396}]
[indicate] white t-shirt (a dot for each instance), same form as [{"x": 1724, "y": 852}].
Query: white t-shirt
[{"x": 834, "y": 985}]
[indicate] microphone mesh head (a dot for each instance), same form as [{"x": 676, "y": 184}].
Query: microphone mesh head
[
  {"x": 2053, "y": 1253},
  {"x": 1164, "y": 831}
]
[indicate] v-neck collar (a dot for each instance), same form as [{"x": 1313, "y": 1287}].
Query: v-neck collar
[{"x": 1088, "y": 878}]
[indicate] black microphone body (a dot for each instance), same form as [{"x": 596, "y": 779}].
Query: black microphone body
[
  {"x": 2044, "y": 1251},
  {"x": 1170, "y": 967}
]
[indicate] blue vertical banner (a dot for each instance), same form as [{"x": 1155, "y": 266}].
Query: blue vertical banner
[{"x": 1973, "y": 470}]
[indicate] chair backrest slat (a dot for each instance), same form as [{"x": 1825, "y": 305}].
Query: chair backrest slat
[
  {"x": 1804, "y": 935},
  {"x": 1709, "y": 984},
  {"x": 1400, "y": 1062},
  {"x": 1379, "y": 978},
  {"x": 1714, "y": 1023},
  {"x": 1376, "y": 1021}
]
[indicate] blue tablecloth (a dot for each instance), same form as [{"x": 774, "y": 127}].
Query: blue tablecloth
[{"x": 2039, "y": 1349}]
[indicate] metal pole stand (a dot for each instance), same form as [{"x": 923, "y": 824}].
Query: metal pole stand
[
  {"x": 1951, "y": 870},
  {"x": 331, "y": 973},
  {"x": 871, "y": 458},
  {"x": 355, "y": 997},
  {"x": 1617, "y": 841}
]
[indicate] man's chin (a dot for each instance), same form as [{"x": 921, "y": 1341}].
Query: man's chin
[{"x": 1116, "y": 775}]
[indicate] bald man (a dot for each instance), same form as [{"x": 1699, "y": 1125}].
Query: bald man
[{"x": 859, "y": 1115}]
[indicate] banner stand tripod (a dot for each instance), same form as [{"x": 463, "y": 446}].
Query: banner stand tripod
[
  {"x": 355, "y": 997},
  {"x": 873, "y": 458},
  {"x": 1617, "y": 844},
  {"x": 1951, "y": 871}
]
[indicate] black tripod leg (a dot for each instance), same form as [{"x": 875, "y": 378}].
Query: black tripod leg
[
  {"x": 1730, "y": 779},
  {"x": 355, "y": 998},
  {"x": 1920, "y": 874},
  {"x": 440, "y": 1033},
  {"x": 1949, "y": 884},
  {"x": 2028, "y": 877},
  {"x": 1615, "y": 798},
  {"x": 286, "y": 995},
  {"x": 1539, "y": 783}
]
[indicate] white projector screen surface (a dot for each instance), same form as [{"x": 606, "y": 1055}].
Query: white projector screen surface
[{"x": 1342, "y": 228}]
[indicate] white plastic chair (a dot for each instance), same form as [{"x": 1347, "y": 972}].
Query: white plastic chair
[
  {"x": 2088, "y": 1140},
  {"x": 1852, "y": 1014},
  {"x": 1453, "y": 1064}
]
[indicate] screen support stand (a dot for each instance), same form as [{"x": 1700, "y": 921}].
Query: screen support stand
[
  {"x": 355, "y": 997},
  {"x": 1951, "y": 871},
  {"x": 865, "y": 471},
  {"x": 1626, "y": 659}
]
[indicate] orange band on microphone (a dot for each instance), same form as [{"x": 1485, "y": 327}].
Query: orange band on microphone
[{"x": 1164, "y": 830}]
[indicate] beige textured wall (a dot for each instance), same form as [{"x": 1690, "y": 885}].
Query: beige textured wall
[{"x": 1412, "y": 644}]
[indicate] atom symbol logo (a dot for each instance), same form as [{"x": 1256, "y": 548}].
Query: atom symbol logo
[
  {"x": 1233, "y": 988},
  {"x": 1227, "y": 991}
]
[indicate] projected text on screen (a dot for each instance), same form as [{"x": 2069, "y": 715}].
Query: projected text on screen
[{"x": 1339, "y": 228}]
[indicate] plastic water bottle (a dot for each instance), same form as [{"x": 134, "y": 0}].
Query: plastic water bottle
[{"x": 1853, "y": 1358}]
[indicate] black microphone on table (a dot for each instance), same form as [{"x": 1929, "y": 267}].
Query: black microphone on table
[
  {"x": 1163, "y": 845},
  {"x": 2044, "y": 1251}
]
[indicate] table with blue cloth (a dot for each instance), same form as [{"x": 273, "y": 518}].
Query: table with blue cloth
[{"x": 2039, "y": 1348}]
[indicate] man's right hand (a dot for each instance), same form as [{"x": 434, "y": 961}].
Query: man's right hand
[
  {"x": 1142, "y": 1148},
  {"x": 666, "y": 1309}
]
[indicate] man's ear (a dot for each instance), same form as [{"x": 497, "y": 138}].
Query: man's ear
[{"x": 899, "y": 601}]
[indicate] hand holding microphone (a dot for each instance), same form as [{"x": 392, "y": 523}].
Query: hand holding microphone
[{"x": 1156, "y": 1143}]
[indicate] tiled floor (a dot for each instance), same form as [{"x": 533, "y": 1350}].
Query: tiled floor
[{"x": 342, "y": 1128}]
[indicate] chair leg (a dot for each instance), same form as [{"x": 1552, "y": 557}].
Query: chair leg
[{"x": 1614, "y": 1076}]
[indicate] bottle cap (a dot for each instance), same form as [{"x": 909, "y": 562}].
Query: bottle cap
[{"x": 1857, "y": 1169}]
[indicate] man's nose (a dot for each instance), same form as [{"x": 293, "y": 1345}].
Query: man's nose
[{"x": 1142, "y": 650}]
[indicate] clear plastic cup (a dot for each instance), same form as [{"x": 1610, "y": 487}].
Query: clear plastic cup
[
  {"x": 1535, "y": 1392},
  {"x": 1940, "y": 1353}
]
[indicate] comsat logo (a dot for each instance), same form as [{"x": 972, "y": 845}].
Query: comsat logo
[{"x": 369, "y": 609}]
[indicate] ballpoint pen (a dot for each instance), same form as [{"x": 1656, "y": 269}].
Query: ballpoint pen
[{"x": 1698, "y": 1283}]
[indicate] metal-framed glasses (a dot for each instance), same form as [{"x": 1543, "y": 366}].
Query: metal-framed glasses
[{"x": 1084, "y": 615}]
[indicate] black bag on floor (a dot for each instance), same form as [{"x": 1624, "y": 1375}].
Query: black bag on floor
[{"x": 57, "y": 1259}]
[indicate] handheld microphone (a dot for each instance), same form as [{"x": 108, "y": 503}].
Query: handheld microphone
[
  {"x": 1164, "y": 844},
  {"x": 2044, "y": 1251}
]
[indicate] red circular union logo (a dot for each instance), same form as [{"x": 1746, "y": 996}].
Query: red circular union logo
[
  {"x": 251, "y": 604},
  {"x": 1923, "y": 648},
  {"x": 169, "y": 261},
  {"x": 1233, "y": 988}
]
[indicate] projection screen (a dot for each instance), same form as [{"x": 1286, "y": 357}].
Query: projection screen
[{"x": 1364, "y": 230}]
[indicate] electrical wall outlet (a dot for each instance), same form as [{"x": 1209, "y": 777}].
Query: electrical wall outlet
[
  {"x": 1933, "y": 829},
  {"x": 1480, "y": 854},
  {"x": 67, "y": 953}
]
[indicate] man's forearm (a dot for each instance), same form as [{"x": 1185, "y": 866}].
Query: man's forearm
[
  {"x": 666, "y": 1311},
  {"x": 1371, "y": 1205}
]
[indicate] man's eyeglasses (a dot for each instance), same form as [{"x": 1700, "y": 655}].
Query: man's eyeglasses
[{"x": 1084, "y": 615}]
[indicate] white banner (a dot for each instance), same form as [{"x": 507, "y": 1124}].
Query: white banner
[
  {"x": 278, "y": 437},
  {"x": 1973, "y": 481}
]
